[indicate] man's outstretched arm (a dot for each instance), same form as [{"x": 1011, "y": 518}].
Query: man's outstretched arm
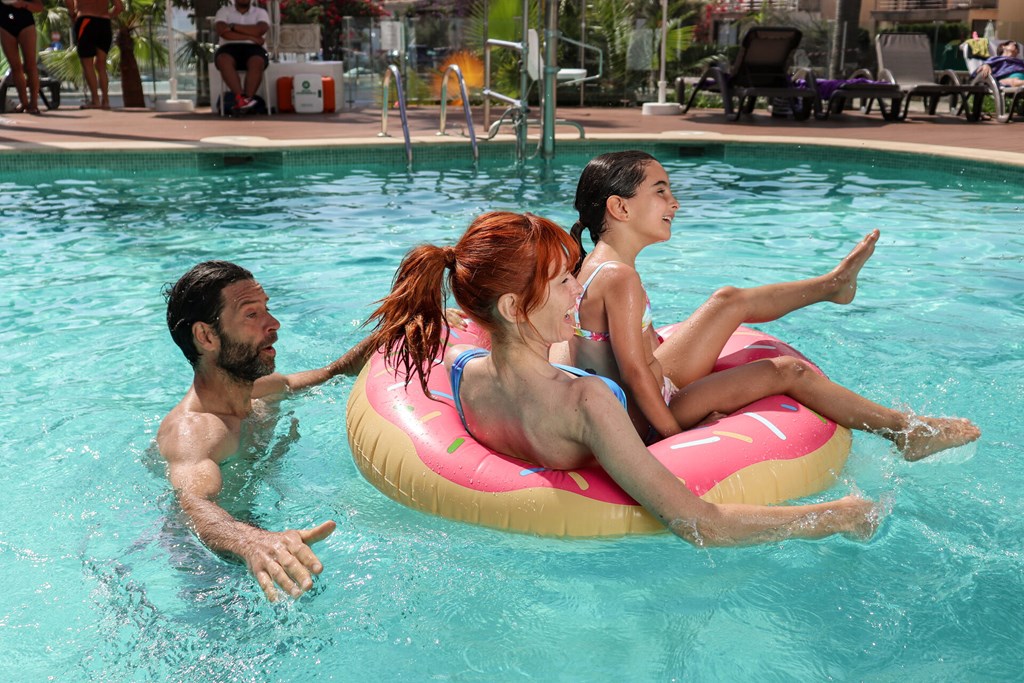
[
  {"x": 350, "y": 363},
  {"x": 275, "y": 558}
]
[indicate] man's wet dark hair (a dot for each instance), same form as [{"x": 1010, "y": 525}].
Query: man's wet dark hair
[{"x": 196, "y": 297}]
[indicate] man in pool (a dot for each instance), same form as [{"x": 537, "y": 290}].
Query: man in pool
[{"x": 217, "y": 314}]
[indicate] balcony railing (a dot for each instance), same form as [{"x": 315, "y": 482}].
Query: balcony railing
[
  {"x": 739, "y": 6},
  {"x": 912, "y": 5}
]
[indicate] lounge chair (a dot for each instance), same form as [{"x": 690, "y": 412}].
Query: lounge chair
[
  {"x": 49, "y": 89},
  {"x": 905, "y": 59},
  {"x": 1009, "y": 99},
  {"x": 761, "y": 69},
  {"x": 836, "y": 95},
  {"x": 1015, "y": 95}
]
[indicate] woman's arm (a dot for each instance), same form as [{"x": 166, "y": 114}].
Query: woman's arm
[{"x": 606, "y": 430}]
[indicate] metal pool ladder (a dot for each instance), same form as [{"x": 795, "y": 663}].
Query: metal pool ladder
[
  {"x": 454, "y": 68},
  {"x": 385, "y": 87}
]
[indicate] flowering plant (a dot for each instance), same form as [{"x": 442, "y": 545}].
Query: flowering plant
[
  {"x": 301, "y": 11},
  {"x": 336, "y": 10}
]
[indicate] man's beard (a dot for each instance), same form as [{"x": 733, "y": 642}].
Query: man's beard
[{"x": 242, "y": 362}]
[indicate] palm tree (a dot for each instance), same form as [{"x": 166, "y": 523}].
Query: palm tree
[{"x": 133, "y": 41}]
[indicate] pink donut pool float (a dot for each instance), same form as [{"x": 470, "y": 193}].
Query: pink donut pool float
[{"x": 416, "y": 451}]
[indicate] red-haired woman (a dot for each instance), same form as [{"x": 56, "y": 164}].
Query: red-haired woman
[
  {"x": 511, "y": 274},
  {"x": 18, "y": 39}
]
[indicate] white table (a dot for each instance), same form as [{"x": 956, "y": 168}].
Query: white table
[{"x": 277, "y": 70}]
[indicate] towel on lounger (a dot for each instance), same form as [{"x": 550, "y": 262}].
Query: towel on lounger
[{"x": 978, "y": 48}]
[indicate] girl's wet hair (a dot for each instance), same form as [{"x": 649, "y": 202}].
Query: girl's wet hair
[
  {"x": 500, "y": 253},
  {"x": 609, "y": 175},
  {"x": 196, "y": 297}
]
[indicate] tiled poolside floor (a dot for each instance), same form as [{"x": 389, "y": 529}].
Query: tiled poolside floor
[{"x": 70, "y": 129}]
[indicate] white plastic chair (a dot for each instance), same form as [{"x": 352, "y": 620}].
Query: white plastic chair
[
  {"x": 263, "y": 90},
  {"x": 1007, "y": 97},
  {"x": 535, "y": 63}
]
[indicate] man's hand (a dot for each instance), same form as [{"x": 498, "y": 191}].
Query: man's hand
[
  {"x": 353, "y": 360},
  {"x": 456, "y": 319},
  {"x": 285, "y": 559}
]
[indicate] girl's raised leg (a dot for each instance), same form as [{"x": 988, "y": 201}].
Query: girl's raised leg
[
  {"x": 692, "y": 349},
  {"x": 727, "y": 391}
]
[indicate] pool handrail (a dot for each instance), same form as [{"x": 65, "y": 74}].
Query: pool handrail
[
  {"x": 517, "y": 109},
  {"x": 385, "y": 86},
  {"x": 454, "y": 68}
]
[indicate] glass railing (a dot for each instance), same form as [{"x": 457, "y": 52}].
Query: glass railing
[{"x": 910, "y": 5}]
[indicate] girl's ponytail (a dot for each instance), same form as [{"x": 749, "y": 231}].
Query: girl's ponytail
[{"x": 576, "y": 232}]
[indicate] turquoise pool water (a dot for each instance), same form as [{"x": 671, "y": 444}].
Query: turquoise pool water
[{"x": 104, "y": 582}]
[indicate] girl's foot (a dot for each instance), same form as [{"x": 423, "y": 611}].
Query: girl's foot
[
  {"x": 928, "y": 435},
  {"x": 844, "y": 277}
]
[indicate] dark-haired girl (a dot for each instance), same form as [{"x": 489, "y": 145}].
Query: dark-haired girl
[{"x": 625, "y": 202}]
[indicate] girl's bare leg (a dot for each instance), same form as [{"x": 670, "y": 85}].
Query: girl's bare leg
[
  {"x": 730, "y": 390},
  {"x": 13, "y": 55},
  {"x": 692, "y": 349},
  {"x": 27, "y": 42}
]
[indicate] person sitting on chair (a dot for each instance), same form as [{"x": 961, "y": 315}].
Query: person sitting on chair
[
  {"x": 242, "y": 29},
  {"x": 1007, "y": 67}
]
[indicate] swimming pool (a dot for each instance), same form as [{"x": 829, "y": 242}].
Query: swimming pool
[{"x": 104, "y": 582}]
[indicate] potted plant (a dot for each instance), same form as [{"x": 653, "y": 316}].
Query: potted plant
[{"x": 300, "y": 26}]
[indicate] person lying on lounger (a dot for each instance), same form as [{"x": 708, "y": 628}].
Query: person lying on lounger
[{"x": 1007, "y": 67}]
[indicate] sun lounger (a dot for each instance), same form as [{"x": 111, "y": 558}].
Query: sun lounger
[
  {"x": 761, "y": 69},
  {"x": 1009, "y": 99},
  {"x": 49, "y": 89},
  {"x": 905, "y": 59},
  {"x": 836, "y": 95}
]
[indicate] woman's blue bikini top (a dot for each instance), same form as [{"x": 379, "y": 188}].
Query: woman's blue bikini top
[{"x": 469, "y": 354}]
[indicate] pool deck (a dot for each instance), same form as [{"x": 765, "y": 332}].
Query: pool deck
[{"x": 72, "y": 129}]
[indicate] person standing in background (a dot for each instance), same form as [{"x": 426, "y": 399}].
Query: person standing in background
[
  {"x": 18, "y": 38},
  {"x": 93, "y": 36}
]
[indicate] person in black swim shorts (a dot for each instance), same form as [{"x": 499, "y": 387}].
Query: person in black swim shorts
[
  {"x": 93, "y": 37},
  {"x": 18, "y": 38}
]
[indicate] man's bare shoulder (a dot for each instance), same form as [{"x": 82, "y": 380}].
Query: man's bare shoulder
[{"x": 190, "y": 433}]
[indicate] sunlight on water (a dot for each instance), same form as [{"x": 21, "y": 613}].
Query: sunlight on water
[{"x": 105, "y": 582}]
